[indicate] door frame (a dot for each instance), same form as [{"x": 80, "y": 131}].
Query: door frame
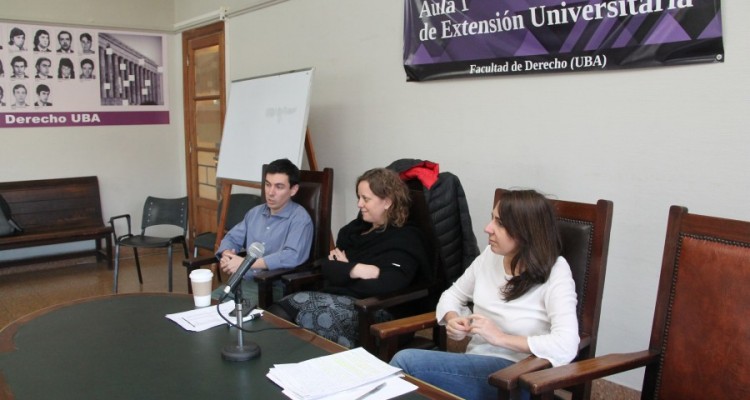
[{"x": 191, "y": 40}]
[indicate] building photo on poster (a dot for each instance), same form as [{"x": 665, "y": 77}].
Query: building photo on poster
[
  {"x": 53, "y": 76},
  {"x": 462, "y": 38}
]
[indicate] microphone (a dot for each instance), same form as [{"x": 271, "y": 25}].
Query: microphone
[
  {"x": 242, "y": 351},
  {"x": 253, "y": 253}
]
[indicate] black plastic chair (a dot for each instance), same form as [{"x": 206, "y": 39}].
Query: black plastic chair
[{"x": 156, "y": 211}]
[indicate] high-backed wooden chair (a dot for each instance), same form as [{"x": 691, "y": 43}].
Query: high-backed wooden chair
[
  {"x": 585, "y": 230},
  {"x": 315, "y": 194},
  {"x": 422, "y": 295},
  {"x": 700, "y": 337},
  {"x": 239, "y": 205}
]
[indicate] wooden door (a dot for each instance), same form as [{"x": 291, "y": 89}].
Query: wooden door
[{"x": 205, "y": 105}]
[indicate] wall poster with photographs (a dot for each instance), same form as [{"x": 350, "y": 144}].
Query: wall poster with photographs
[{"x": 57, "y": 76}]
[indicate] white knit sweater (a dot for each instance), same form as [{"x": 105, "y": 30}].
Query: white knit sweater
[{"x": 546, "y": 314}]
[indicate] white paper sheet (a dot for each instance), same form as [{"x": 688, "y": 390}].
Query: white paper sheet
[
  {"x": 395, "y": 386},
  {"x": 204, "y": 318},
  {"x": 344, "y": 375}
]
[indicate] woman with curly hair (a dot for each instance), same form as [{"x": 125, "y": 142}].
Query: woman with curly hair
[{"x": 377, "y": 253}]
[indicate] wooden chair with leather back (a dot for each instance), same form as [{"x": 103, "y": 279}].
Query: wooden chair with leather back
[
  {"x": 417, "y": 298},
  {"x": 700, "y": 338},
  {"x": 585, "y": 230},
  {"x": 315, "y": 194},
  {"x": 425, "y": 292},
  {"x": 239, "y": 205}
]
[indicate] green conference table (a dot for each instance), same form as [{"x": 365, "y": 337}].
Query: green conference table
[{"x": 123, "y": 347}]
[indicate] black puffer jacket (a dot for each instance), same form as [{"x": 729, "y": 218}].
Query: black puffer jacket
[{"x": 450, "y": 218}]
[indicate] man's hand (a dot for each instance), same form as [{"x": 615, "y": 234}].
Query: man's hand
[{"x": 230, "y": 261}]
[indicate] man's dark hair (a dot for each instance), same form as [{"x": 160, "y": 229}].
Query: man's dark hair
[
  {"x": 39, "y": 33},
  {"x": 16, "y": 32},
  {"x": 42, "y": 88},
  {"x": 85, "y": 35},
  {"x": 59, "y": 35},
  {"x": 40, "y": 60},
  {"x": 19, "y": 59},
  {"x": 284, "y": 166}
]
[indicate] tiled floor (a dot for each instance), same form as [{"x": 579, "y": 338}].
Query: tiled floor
[{"x": 31, "y": 288}]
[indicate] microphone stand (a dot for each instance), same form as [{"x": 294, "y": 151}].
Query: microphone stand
[{"x": 240, "y": 351}]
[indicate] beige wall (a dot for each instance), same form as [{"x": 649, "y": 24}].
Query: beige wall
[
  {"x": 190, "y": 10},
  {"x": 131, "y": 162},
  {"x": 135, "y": 14}
]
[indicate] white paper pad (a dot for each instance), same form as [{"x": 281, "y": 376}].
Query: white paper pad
[
  {"x": 344, "y": 375},
  {"x": 204, "y": 318}
]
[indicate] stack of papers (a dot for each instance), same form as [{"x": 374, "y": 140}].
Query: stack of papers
[
  {"x": 204, "y": 318},
  {"x": 349, "y": 375}
]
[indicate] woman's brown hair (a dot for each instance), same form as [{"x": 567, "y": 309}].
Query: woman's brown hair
[
  {"x": 530, "y": 220},
  {"x": 385, "y": 183}
]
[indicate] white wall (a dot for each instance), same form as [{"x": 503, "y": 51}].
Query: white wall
[
  {"x": 135, "y": 14},
  {"x": 187, "y": 11},
  {"x": 131, "y": 162},
  {"x": 645, "y": 139}
]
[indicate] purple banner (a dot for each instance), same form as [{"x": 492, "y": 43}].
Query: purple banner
[
  {"x": 50, "y": 119},
  {"x": 459, "y": 38}
]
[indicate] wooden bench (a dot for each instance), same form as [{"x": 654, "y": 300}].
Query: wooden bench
[{"x": 53, "y": 211}]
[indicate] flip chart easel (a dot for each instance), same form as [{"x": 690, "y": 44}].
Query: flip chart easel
[{"x": 266, "y": 119}]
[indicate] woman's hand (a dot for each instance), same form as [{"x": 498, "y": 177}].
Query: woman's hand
[
  {"x": 456, "y": 327},
  {"x": 364, "y": 271},
  {"x": 485, "y": 327},
  {"x": 338, "y": 255}
]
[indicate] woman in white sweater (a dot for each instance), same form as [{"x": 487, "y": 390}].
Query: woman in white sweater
[{"x": 524, "y": 303}]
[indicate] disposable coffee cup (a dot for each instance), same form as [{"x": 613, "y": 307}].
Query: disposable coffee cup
[{"x": 201, "y": 280}]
